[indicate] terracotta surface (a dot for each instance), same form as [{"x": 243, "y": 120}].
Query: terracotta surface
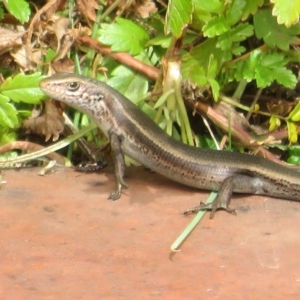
[{"x": 62, "y": 239}]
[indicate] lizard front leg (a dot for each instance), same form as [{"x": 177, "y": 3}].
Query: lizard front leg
[{"x": 119, "y": 166}]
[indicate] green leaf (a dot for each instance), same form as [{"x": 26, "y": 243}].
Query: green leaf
[
  {"x": 287, "y": 12},
  {"x": 292, "y": 132},
  {"x": 179, "y": 14},
  {"x": 160, "y": 40},
  {"x": 234, "y": 13},
  {"x": 274, "y": 122},
  {"x": 251, "y": 8},
  {"x": 199, "y": 18},
  {"x": 19, "y": 9},
  {"x": 195, "y": 64},
  {"x": 264, "y": 67},
  {"x": 6, "y": 136},
  {"x": 129, "y": 83},
  {"x": 216, "y": 26},
  {"x": 294, "y": 154},
  {"x": 238, "y": 34},
  {"x": 295, "y": 113},
  {"x": 215, "y": 87},
  {"x": 285, "y": 77},
  {"x": 213, "y": 6},
  {"x": 124, "y": 36},
  {"x": 8, "y": 113},
  {"x": 274, "y": 34},
  {"x": 23, "y": 88}
]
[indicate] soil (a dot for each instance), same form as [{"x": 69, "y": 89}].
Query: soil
[{"x": 62, "y": 239}]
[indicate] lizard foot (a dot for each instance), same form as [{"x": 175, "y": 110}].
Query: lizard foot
[
  {"x": 214, "y": 206},
  {"x": 117, "y": 193}
]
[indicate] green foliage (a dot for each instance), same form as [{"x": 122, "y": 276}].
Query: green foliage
[
  {"x": 265, "y": 68},
  {"x": 8, "y": 113},
  {"x": 292, "y": 132},
  {"x": 123, "y": 36},
  {"x": 294, "y": 155},
  {"x": 274, "y": 34},
  {"x": 295, "y": 113},
  {"x": 6, "y": 136},
  {"x": 129, "y": 83},
  {"x": 1, "y": 13},
  {"x": 178, "y": 15},
  {"x": 19, "y": 9},
  {"x": 21, "y": 88},
  {"x": 287, "y": 12},
  {"x": 251, "y": 8}
]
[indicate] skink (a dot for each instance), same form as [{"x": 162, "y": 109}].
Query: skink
[{"x": 133, "y": 133}]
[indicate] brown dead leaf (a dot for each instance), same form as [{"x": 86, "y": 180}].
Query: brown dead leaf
[
  {"x": 87, "y": 9},
  {"x": 140, "y": 8},
  {"x": 21, "y": 57},
  {"x": 49, "y": 8},
  {"x": 50, "y": 123},
  {"x": 7, "y": 62},
  {"x": 54, "y": 7},
  {"x": 9, "y": 39},
  {"x": 64, "y": 65},
  {"x": 61, "y": 27},
  {"x": 65, "y": 37},
  {"x": 145, "y": 9}
]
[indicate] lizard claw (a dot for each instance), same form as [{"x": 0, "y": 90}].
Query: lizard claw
[{"x": 117, "y": 193}]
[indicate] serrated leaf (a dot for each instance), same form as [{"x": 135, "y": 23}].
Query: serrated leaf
[
  {"x": 250, "y": 65},
  {"x": 19, "y": 9},
  {"x": 272, "y": 67},
  {"x": 287, "y": 12},
  {"x": 265, "y": 68},
  {"x": 264, "y": 76},
  {"x": 251, "y": 8},
  {"x": 241, "y": 32},
  {"x": 200, "y": 17},
  {"x": 235, "y": 11},
  {"x": 128, "y": 82},
  {"x": 285, "y": 77},
  {"x": 8, "y": 113},
  {"x": 179, "y": 14},
  {"x": 274, "y": 34},
  {"x": 215, "y": 87},
  {"x": 238, "y": 50},
  {"x": 216, "y": 26},
  {"x": 238, "y": 34},
  {"x": 212, "y": 6},
  {"x": 6, "y": 136},
  {"x": 295, "y": 113},
  {"x": 23, "y": 88},
  {"x": 124, "y": 36},
  {"x": 160, "y": 40},
  {"x": 195, "y": 63},
  {"x": 273, "y": 60}
]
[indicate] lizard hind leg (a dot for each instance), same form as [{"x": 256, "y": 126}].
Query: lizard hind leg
[{"x": 228, "y": 186}]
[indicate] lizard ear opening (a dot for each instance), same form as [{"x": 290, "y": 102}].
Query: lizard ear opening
[{"x": 73, "y": 86}]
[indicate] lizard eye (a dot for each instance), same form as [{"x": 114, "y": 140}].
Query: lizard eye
[{"x": 73, "y": 86}]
